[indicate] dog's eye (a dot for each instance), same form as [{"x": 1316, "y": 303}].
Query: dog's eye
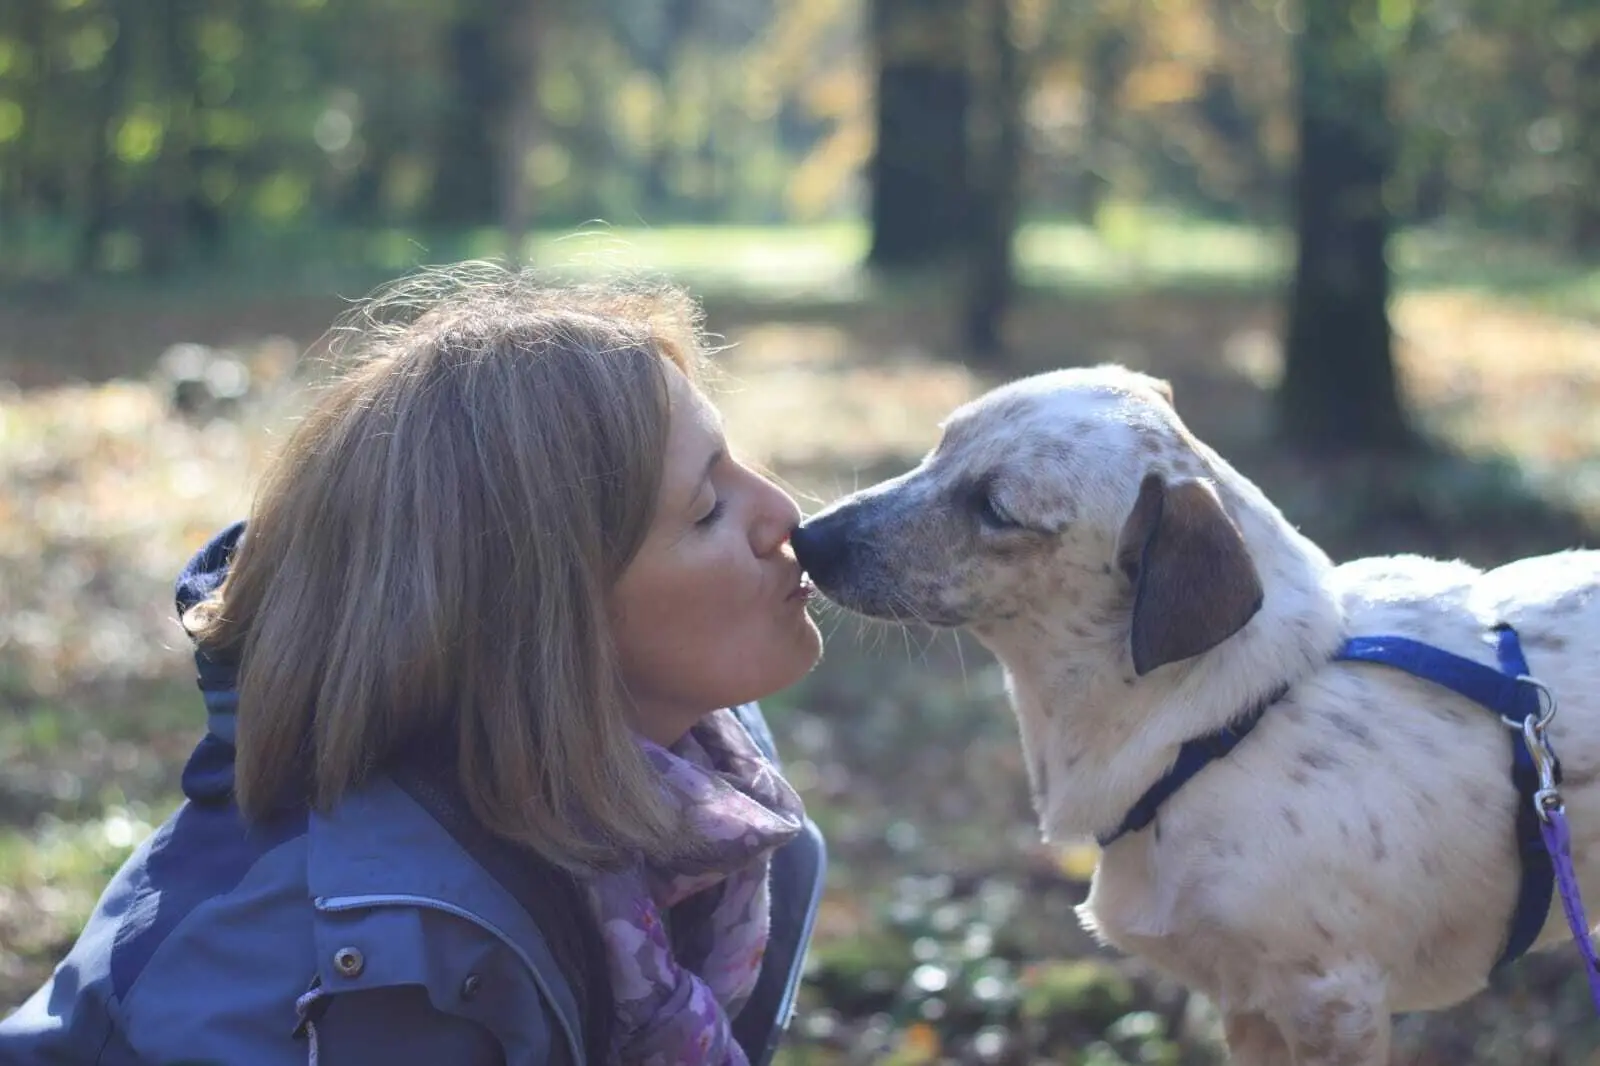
[{"x": 992, "y": 514}]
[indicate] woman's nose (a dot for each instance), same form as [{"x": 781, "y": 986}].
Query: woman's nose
[{"x": 777, "y": 517}]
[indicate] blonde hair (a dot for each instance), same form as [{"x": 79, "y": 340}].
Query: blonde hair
[{"x": 431, "y": 555}]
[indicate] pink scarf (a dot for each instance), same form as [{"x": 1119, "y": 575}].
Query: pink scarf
[{"x": 676, "y": 993}]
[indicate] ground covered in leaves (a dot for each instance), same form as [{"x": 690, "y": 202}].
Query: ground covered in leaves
[{"x": 947, "y": 934}]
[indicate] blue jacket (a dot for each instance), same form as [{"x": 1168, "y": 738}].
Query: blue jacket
[{"x": 370, "y": 934}]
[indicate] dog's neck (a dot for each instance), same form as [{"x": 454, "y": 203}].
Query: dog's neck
[{"x": 1097, "y": 736}]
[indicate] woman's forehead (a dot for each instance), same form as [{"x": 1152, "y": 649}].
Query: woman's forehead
[{"x": 693, "y": 413}]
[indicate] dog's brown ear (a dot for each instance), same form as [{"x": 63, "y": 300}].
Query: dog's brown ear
[
  {"x": 1194, "y": 583},
  {"x": 1163, "y": 389}
]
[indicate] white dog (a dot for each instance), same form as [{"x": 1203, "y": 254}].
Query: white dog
[{"x": 1355, "y": 854}]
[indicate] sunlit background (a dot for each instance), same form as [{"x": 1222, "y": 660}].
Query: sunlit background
[{"x": 1361, "y": 237}]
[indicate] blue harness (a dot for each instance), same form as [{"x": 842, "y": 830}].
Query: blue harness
[{"x": 1508, "y": 692}]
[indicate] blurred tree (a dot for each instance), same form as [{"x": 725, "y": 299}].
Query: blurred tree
[
  {"x": 1107, "y": 59},
  {"x": 921, "y": 203},
  {"x": 521, "y": 124},
  {"x": 1586, "y": 137},
  {"x": 138, "y": 134},
  {"x": 1339, "y": 390},
  {"x": 25, "y": 23},
  {"x": 101, "y": 132},
  {"x": 997, "y": 178},
  {"x": 171, "y": 214},
  {"x": 485, "y": 65},
  {"x": 656, "y": 36}
]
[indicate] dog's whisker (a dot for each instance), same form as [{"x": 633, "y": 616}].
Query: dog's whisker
[
  {"x": 839, "y": 619},
  {"x": 904, "y": 607}
]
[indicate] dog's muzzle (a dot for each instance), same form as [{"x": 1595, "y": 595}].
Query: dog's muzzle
[{"x": 823, "y": 547}]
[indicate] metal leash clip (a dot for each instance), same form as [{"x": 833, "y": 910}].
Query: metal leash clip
[{"x": 1534, "y": 729}]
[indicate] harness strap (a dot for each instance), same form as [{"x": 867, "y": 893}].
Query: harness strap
[
  {"x": 1195, "y": 755},
  {"x": 1509, "y": 693}
]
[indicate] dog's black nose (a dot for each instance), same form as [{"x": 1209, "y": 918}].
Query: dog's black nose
[{"x": 820, "y": 546}]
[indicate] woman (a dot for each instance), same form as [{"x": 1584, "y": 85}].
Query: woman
[{"x": 472, "y": 791}]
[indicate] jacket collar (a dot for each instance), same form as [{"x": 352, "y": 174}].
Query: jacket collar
[{"x": 379, "y": 844}]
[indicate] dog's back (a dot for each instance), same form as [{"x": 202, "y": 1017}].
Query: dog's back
[{"x": 1553, "y": 603}]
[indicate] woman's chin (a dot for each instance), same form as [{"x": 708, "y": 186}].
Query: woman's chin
[{"x": 802, "y": 653}]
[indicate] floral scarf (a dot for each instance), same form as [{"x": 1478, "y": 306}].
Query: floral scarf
[{"x": 677, "y": 991}]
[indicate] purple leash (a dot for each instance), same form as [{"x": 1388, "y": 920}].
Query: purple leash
[{"x": 1557, "y": 836}]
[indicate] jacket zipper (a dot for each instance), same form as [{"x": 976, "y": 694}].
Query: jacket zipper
[{"x": 337, "y": 904}]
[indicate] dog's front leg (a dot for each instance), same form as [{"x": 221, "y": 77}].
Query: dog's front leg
[
  {"x": 1339, "y": 1019},
  {"x": 1253, "y": 1040}
]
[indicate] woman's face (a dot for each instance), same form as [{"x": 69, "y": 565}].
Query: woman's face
[{"x": 711, "y": 612}]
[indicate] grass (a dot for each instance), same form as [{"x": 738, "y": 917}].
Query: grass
[
  {"x": 1128, "y": 247},
  {"x": 947, "y": 933}
]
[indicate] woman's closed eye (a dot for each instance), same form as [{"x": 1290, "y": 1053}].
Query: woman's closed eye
[{"x": 709, "y": 519}]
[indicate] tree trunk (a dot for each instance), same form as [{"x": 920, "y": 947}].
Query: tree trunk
[
  {"x": 1586, "y": 213},
  {"x": 920, "y": 199},
  {"x": 521, "y": 126},
  {"x": 1108, "y": 61},
  {"x": 991, "y": 265},
  {"x": 20, "y": 195},
  {"x": 99, "y": 199},
  {"x": 467, "y": 175},
  {"x": 1339, "y": 391},
  {"x": 163, "y": 221}
]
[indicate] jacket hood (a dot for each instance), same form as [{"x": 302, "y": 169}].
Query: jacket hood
[{"x": 208, "y": 776}]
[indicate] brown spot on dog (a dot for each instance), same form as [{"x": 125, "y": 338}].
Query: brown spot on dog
[
  {"x": 1426, "y": 957},
  {"x": 1036, "y": 779},
  {"x": 1551, "y": 642},
  {"x": 1293, "y": 821},
  {"x": 1449, "y": 710},
  {"x": 1323, "y": 931},
  {"x": 1310, "y": 968},
  {"x": 1353, "y": 728},
  {"x": 1298, "y": 776},
  {"x": 1317, "y": 759},
  {"x": 1380, "y": 849},
  {"x": 1430, "y": 865}
]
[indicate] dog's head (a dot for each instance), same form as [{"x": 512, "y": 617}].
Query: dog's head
[{"x": 1074, "y": 504}]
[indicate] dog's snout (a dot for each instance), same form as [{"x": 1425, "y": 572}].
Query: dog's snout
[{"x": 822, "y": 547}]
